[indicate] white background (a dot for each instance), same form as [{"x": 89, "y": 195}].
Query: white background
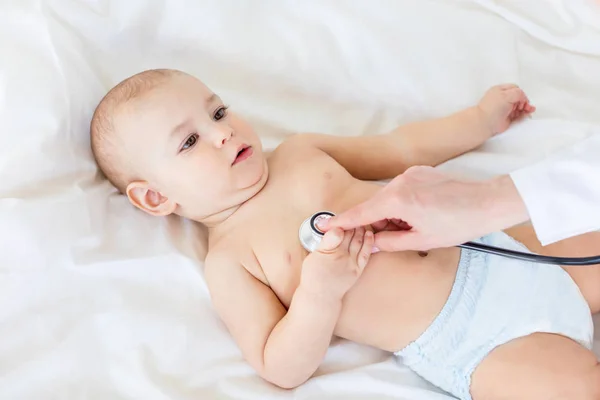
[{"x": 99, "y": 301}]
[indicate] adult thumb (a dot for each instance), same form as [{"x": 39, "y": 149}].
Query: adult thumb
[
  {"x": 331, "y": 240},
  {"x": 398, "y": 241}
]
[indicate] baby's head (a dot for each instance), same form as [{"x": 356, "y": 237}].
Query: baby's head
[{"x": 170, "y": 144}]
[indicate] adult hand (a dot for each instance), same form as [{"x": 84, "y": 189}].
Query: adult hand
[{"x": 425, "y": 208}]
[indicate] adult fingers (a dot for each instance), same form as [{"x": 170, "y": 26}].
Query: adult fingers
[
  {"x": 366, "y": 213},
  {"x": 400, "y": 241},
  {"x": 391, "y": 225},
  {"x": 380, "y": 225},
  {"x": 401, "y": 225}
]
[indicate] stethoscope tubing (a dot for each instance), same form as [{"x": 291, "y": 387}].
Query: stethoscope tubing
[{"x": 532, "y": 257}]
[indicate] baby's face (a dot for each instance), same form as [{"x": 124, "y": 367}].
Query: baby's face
[{"x": 195, "y": 157}]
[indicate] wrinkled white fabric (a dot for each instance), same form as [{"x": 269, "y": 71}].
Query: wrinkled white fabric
[{"x": 99, "y": 300}]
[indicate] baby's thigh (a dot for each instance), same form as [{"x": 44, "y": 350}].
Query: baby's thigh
[
  {"x": 539, "y": 366},
  {"x": 586, "y": 245},
  {"x": 586, "y": 277}
]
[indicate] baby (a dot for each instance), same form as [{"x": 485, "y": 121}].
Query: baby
[{"x": 477, "y": 326}]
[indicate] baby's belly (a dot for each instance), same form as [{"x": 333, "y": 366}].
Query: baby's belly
[{"x": 397, "y": 297}]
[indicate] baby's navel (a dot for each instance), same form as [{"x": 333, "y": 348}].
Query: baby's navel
[{"x": 423, "y": 253}]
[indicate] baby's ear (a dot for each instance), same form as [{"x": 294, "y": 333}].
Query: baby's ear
[{"x": 142, "y": 196}]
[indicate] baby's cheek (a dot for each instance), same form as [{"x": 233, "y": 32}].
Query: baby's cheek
[{"x": 245, "y": 130}]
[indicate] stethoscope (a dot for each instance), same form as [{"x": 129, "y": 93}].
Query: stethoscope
[{"x": 310, "y": 237}]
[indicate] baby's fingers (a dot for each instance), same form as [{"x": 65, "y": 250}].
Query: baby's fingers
[
  {"x": 366, "y": 250},
  {"x": 357, "y": 242},
  {"x": 332, "y": 240},
  {"x": 507, "y": 86},
  {"x": 513, "y": 113},
  {"x": 347, "y": 241},
  {"x": 515, "y": 96}
]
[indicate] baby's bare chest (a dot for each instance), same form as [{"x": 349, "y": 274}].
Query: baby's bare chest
[
  {"x": 295, "y": 191},
  {"x": 389, "y": 288}
]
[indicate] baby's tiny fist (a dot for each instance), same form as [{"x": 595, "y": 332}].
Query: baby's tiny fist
[{"x": 332, "y": 239}]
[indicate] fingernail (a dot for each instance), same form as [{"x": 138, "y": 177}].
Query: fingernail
[
  {"x": 322, "y": 224},
  {"x": 375, "y": 249}
]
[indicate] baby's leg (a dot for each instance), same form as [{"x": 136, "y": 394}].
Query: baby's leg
[
  {"x": 539, "y": 366},
  {"x": 588, "y": 277}
]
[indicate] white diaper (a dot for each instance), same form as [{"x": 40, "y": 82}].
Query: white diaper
[{"x": 494, "y": 300}]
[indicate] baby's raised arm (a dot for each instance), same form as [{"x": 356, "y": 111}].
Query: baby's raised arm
[
  {"x": 286, "y": 348},
  {"x": 431, "y": 142}
]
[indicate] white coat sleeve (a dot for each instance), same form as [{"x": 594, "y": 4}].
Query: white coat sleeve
[{"x": 562, "y": 193}]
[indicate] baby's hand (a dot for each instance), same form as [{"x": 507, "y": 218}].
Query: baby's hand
[
  {"x": 503, "y": 104},
  {"x": 338, "y": 262}
]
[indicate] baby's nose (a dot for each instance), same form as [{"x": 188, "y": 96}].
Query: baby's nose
[{"x": 221, "y": 135}]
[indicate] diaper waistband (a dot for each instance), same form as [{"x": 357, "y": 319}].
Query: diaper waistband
[{"x": 461, "y": 292}]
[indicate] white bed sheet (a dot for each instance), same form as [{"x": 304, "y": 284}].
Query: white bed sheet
[{"x": 99, "y": 301}]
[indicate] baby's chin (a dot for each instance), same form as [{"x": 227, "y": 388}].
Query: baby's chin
[
  {"x": 253, "y": 179},
  {"x": 246, "y": 185},
  {"x": 237, "y": 198}
]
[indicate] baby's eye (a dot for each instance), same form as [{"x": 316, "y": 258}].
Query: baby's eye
[
  {"x": 190, "y": 142},
  {"x": 220, "y": 113}
]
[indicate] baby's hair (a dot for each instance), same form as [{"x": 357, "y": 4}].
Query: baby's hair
[{"x": 103, "y": 136}]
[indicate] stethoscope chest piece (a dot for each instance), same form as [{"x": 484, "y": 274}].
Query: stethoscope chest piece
[{"x": 310, "y": 235}]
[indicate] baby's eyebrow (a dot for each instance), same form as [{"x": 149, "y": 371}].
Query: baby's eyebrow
[
  {"x": 178, "y": 128},
  {"x": 210, "y": 99}
]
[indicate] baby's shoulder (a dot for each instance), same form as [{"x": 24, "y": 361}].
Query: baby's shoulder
[
  {"x": 300, "y": 144},
  {"x": 300, "y": 147}
]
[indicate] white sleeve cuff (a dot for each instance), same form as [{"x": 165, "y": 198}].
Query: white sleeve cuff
[{"x": 562, "y": 194}]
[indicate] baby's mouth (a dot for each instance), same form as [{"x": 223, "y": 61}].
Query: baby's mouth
[{"x": 243, "y": 154}]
